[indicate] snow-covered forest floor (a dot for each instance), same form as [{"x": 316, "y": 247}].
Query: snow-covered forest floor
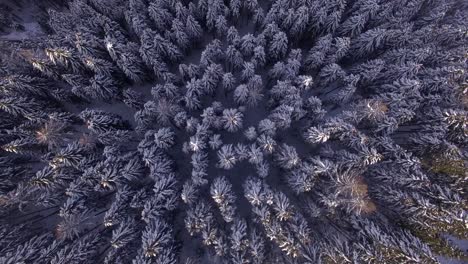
[{"x": 30, "y": 27}]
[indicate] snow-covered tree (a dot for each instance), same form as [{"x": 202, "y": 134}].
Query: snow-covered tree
[
  {"x": 278, "y": 46},
  {"x": 232, "y": 119},
  {"x": 227, "y": 157},
  {"x": 221, "y": 192}
]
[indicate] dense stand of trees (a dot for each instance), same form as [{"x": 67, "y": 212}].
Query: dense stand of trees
[{"x": 228, "y": 131}]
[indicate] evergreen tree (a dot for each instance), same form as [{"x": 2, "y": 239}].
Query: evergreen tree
[
  {"x": 227, "y": 157},
  {"x": 224, "y": 198},
  {"x": 287, "y": 157},
  {"x": 278, "y": 46},
  {"x": 164, "y": 138},
  {"x": 232, "y": 119}
]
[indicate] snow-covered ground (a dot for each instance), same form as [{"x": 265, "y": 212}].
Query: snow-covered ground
[
  {"x": 27, "y": 15},
  {"x": 31, "y": 30}
]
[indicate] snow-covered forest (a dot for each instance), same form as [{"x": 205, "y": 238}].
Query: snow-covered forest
[{"x": 233, "y": 131}]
